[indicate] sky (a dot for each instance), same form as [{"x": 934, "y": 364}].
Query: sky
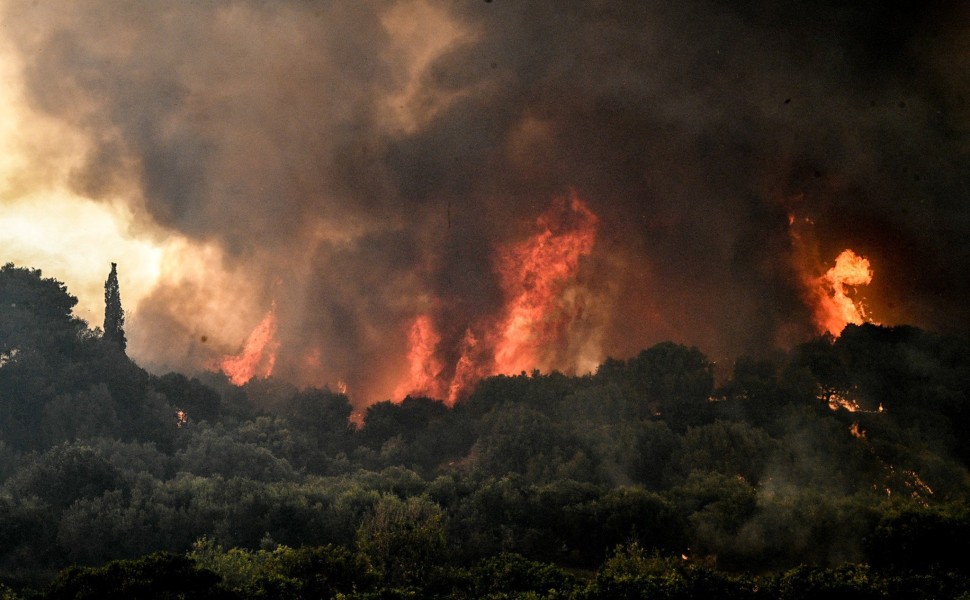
[{"x": 362, "y": 172}]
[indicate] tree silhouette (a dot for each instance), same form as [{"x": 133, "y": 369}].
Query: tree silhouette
[{"x": 114, "y": 315}]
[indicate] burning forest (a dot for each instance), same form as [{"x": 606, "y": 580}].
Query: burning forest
[
  {"x": 428, "y": 193},
  {"x": 607, "y": 298}
]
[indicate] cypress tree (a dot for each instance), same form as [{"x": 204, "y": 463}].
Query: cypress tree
[{"x": 114, "y": 315}]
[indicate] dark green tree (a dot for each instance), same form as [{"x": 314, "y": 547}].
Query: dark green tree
[
  {"x": 114, "y": 315},
  {"x": 35, "y": 315},
  {"x": 404, "y": 540},
  {"x": 155, "y": 576}
]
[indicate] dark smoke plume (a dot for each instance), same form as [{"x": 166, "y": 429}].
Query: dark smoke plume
[{"x": 360, "y": 162}]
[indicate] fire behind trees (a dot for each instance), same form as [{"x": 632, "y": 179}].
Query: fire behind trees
[
  {"x": 645, "y": 478},
  {"x": 368, "y": 164}
]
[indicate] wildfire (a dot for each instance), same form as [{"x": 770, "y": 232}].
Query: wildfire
[
  {"x": 829, "y": 296},
  {"x": 841, "y": 400},
  {"x": 468, "y": 370},
  {"x": 181, "y": 418},
  {"x": 914, "y": 482},
  {"x": 909, "y": 480},
  {"x": 834, "y": 309},
  {"x": 424, "y": 366},
  {"x": 258, "y": 355},
  {"x": 836, "y": 401},
  {"x": 534, "y": 275}
]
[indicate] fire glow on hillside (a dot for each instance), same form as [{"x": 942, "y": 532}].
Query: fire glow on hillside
[
  {"x": 258, "y": 355},
  {"x": 834, "y": 308},
  {"x": 534, "y": 275},
  {"x": 832, "y": 296},
  {"x": 384, "y": 170},
  {"x": 541, "y": 300}
]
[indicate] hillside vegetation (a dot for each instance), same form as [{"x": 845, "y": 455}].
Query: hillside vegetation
[{"x": 839, "y": 467}]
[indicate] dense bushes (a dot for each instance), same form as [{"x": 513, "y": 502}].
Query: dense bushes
[{"x": 849, "y": 451}]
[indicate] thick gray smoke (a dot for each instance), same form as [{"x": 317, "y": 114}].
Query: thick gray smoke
[{"x": 363, "y": 160}]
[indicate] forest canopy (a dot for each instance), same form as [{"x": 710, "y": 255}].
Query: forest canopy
[{"x": 841, "y": 464}]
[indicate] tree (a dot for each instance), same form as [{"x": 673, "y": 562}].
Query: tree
[
  {"x": 403, "y": 539},
  {"x": 35, "y": 315},
  {"x": 155, "y": 576},
  {"x": 64, "y": 474},
  {"x": 667, "y": 379},
  {"x": 114, "y": 315}
]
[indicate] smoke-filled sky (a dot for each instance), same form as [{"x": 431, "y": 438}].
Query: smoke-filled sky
[{"x": 363, "y": 165}]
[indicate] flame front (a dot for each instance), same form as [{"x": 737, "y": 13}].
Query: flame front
[
  {"x": 838, "y": 401},
  {"x": 828, "y": 296},
  {"x": 534, "y": 275},
  {"x": 424, "y": 366},
  {"x": 258, "y": 355},
  {"x": 832, "y": 306}
]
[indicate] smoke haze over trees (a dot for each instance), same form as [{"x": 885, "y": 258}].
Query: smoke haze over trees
[
  {"x": 485, "y": 299},
  {"x": 841, "y": 465},
  {"x": 362, "y": 163}
]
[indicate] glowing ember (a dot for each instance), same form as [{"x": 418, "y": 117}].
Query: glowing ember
[
  {"x": 424, "y": 365},
  {"x": 834, "y": 309},
  {"x": 916, "y": 483},
  {"x": 534, "y": 274},
  {"x": 857, "y": 432},
  {"x": 841, "y": 400},
  {"x": 258, "y": 355},
  {"x": 909, "y": 480},
  {"x": 181, "y": 419},
  {"x": 837, "y": 401}
]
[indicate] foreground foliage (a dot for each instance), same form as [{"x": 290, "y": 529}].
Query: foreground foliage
[
  {"x": 840, "y": 468},
  {"x": 209, "y": 572}
]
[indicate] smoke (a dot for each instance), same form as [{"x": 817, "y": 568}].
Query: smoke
[{"x": 360, "y": 163}]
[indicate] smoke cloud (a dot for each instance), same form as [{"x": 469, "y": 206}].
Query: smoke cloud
[{"x": 361, "y": 163}]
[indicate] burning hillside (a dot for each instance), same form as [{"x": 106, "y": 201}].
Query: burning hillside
[
  {"x": 537, "y": 277},
  {"x": 388, "y": 173}
]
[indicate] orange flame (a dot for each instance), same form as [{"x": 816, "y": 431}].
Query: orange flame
[
  {"x": 424, "y": 366},
  {"x": 258, "y": 355},
  {"x": 534, "y": 275},
  {"x": 833, "y": 308},
  {"x": 828, "y": 296},
  {"x": 469, "y": 369},
  {"x": 838, "y": 401}
]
